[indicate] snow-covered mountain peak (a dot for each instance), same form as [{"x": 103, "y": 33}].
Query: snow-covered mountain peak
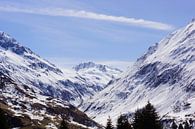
[
  {"x": 193, "y": 20},
  {"x": 96, "y": 75},
  {"x": 13, "y": 50},
  {"x": 84, "y": 66},
  {"x": 177, "y": 47},
  {"x": 9, "y": 43},
  {"x": 87, "y": 65}
]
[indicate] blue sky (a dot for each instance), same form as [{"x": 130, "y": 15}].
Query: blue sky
[{"x": 105, "y": 31}]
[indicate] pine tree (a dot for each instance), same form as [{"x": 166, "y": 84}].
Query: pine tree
[
  {"x": 109, "y": 124},
  {"x": 123, "y": 123},
  {"x": 180, "y": 126},
  {"x": 191, "y": 121},
  {"x": 186, "y": 126},
  {"x": 63, "y": 125},
  {"x": 3, "y": 121},
  {"x": 147, "y": 118},
  {"x": 174, "y": 125}
]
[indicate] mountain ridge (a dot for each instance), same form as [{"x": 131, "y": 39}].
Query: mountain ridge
[{"x": 164, "y": 75}]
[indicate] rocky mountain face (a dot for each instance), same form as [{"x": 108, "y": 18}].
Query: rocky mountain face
[
  {"x": 35, "y": 90},
  {"x": 165, "y": 76}
]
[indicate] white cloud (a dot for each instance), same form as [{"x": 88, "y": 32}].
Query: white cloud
[{"x": 87, "y": 15}]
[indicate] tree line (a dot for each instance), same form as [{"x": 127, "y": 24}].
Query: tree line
[
  {"x": 145, "y": 118},
  {"x": 184, "y": 125}
]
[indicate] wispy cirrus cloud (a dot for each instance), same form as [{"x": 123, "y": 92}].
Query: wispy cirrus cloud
[{"x": 87, "y": 15}]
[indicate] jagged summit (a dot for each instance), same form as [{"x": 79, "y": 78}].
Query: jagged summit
[
  {"x": 9, "y": 43},
  {"x": 97, "y": 75},
  {"x": 84, "y": 65},
  {"x": 90, "y": 64},
  {"x": 193, "y": 20}
]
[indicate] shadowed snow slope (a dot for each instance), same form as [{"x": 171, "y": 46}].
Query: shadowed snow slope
[{"x": 165, "y": 75}]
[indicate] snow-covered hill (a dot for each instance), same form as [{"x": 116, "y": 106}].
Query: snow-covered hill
[{"x": 165, "y": 76}]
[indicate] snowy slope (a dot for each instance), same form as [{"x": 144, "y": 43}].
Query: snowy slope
[
  {"x": 26, "y": 67},
  {"x": 165, "y": 76}
]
